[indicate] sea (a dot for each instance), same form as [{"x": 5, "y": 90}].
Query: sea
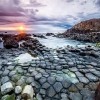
[{"x": 52, "y": 42}]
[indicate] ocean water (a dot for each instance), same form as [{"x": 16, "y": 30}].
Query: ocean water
[{"x": 54, "y": 42}]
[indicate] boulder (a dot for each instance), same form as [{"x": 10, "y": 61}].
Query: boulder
[
  {"x": 28, "y": 93},
  {"x": 10, "y": 43},
  {"x": 6, "y": 88},
  {"x": 18, "y": 89}
]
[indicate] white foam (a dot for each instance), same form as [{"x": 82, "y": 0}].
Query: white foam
[{"x": 23, "y": 58}]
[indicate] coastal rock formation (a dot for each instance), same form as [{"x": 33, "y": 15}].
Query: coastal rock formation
[
  {"x": 10, "y": 43},
  {"x": 49, "y": 34},
  {"x": 88, "y": 30},
  {"x": 39, "y": 36}
]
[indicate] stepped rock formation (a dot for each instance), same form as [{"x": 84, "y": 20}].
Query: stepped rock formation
[
  {"x": 92, "y": 25},
  {"x": 88, "y": 30}
]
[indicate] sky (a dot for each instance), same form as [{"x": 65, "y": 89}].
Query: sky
[{"x": 43, "y": 16}]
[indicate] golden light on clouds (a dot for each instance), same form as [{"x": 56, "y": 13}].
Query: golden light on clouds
[
  {"x": 13, "y": 27},
  {"x": 5, "y": 28}
]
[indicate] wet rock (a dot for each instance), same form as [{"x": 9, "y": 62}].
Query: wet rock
[
  {"x": 94, "y": 54},
  {"x": 6, "y": 88},
  {"x": 29, "y": 80},
  {"x": 18, "y": 97},
  {"x": 15, "y": 77},
  {"x": 42, "y": 80},
  {"x": 43, "y": 91},
  {"x": 6, "y": 72},
  {"x": 75, "y": 96},
  {"x": 73, "y": 88},
  {"x": 28, "y": 92},
  {"x": 12, "y": 73},
  {"x": 79, "y": 85},
  {"x": 21, "y": 81},
  {"x": 82, "y": 53},
  {"x": 83, "y": 80},
  {"x": 51, "y": 92},
  {"x": 85, "y": 92},
  {"x": 38, "y": 97},
  {"x": 66, "y": 83},
  {"x": 10, "y": 67},
  {"x": 18, "y": 89},
  {"x": 74, "y": 50},
  {"x": 58, "y": 86},
  {"x": 4, "y": 79},
  {"x": 64, "y": 96},
  {"x": 46, "y": 85},
  {"x": 91, "y": 77},
  {"x": 10, "y": 43},
  {"x": 49, "y": 34},
  {"x": 51, "y": 80}
]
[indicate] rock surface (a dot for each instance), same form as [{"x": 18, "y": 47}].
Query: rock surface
[
  {"x": 57, "y": 74},
  {"x": 6, "y": 88},
  {"x": 88, "y": 30}
]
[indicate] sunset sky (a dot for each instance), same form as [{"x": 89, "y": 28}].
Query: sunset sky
[{"x": 46, "y": 15}]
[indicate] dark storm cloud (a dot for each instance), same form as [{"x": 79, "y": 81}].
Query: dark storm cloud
[
  {"x": 10, "y": 8},
  {"x": 47, "y": 13},
  {"x": 98, "y": 3}
]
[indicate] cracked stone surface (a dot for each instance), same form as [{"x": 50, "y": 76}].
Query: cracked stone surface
[{"x": 55, "y": 75}]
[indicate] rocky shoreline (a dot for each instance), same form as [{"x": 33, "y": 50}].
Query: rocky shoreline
[
  {"x": 88, "y": 31},
  {"x": 54, "y": 74}
]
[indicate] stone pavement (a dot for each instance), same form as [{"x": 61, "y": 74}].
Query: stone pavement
[{"x": 54, "y": 75}]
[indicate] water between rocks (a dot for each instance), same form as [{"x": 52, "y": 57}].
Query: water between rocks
[{"x": 54, "y": 42}]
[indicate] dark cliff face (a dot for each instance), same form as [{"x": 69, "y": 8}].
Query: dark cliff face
[
  {"x": 90, "y": 25},
  {"x": 88, "y": 30}
]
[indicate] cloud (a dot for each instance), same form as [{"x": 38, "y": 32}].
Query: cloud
[
  {"x": 98, "y": 3},
  {"x": 48, "y": 15}
]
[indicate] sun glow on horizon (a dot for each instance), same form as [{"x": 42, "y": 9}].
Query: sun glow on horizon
[{"x": 19, "y": 27}]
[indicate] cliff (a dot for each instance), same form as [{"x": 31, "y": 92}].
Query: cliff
[{"x": 88, "y": 30}]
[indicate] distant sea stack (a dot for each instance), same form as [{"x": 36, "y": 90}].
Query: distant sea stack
[{"x": 88, "y": 31}]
